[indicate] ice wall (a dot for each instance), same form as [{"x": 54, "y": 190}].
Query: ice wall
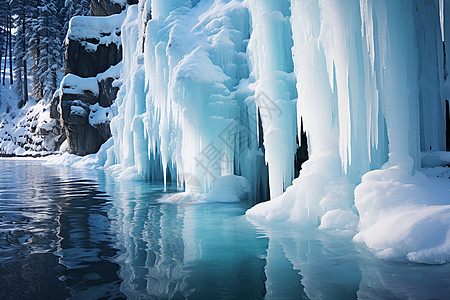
[
  {"x": 369, "y": 77},
  {"x": 185, "y": 111}
]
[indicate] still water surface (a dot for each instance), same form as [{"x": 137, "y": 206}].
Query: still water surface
[{"x": 70, "y": 233}]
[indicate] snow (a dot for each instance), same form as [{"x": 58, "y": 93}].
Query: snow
[
  {"x": 98, "y": 115},
  {"x": 112, "y": 72},
  {"x": 26, "y": 131},
  {"x": 78, "y": 111},
  {"x": 92, "y": 31},
  {"x": 73, "y": 84},
  {"x": 404, "y": 215},
  {"x": 228, "y": 188},
  {"x": 120, "y": 2}
]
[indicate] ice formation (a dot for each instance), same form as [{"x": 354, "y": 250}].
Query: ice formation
[{"x": 219, "y": 87}]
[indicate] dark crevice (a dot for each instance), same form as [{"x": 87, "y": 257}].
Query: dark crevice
[
  {"x": 302, "y": 151},
  {"x": 447, "y": 123}
]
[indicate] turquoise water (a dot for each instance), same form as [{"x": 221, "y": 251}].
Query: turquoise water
[{"x": 70, "y": 233}]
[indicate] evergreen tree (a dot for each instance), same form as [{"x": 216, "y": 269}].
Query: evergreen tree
[
  {"x": 49, "y": 47},
  {"x": 5, "y": 38},
  {"x": 40, "y": 30},
  {"x": 74, "y": 8},
  {"x": 34, "y": 49}
]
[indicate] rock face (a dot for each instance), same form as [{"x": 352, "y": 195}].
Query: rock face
[
  {"x": 107, "y": 7},
  {"x": 86, "y": 63},
  {"x": 93, "y": 56},
  {"x": 104, "y": 8}
]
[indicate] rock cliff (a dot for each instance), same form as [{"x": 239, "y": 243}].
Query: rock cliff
[{"x": 93, "y": 56}]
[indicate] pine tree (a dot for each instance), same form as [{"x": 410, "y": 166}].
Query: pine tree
[
  {"x": 34, "y": 49},
  {"x": 40, "y": 30},
  {"x": 6, "y": 26},
  {"x": 50, "y": 48}
]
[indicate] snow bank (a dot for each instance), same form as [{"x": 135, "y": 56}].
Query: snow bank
[
  {"x": 404, "y": 216},
  {"x": 112, "y": 72},
  {"x": 29, "y": 131},
  {"x": 320, "y": 193}
]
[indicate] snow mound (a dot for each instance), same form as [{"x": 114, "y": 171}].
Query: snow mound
[
  {"x": 320, "y": 196},
  {"x": 404, "y": 216},
  {"x": 73, "y": 84}
]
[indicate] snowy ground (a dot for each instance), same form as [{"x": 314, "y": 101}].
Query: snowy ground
[{"x": 28, "y": 131}]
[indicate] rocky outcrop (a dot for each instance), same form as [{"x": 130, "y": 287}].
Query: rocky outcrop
[
  {"x": 93, "y": 56},
  {"x": 82, "y": 106}
]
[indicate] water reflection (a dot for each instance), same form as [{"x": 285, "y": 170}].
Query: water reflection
[
  {"x": 68, "y": 233},
  {"x": 55, "y": 240},
  {"x": 193, "y": 251},
  {"x": 331, "y": 266}
]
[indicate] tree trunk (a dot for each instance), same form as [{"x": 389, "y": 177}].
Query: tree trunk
[
  {"x": 6, "y": 48},
  {"x": 11, "y": 80},
  {"x": 25, "y": 75}
]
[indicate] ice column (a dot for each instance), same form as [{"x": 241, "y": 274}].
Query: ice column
[
  {"x": 431, "y": 76},
  {"x": 275, "y": 93},
  {"x": 395, "y": 63}
]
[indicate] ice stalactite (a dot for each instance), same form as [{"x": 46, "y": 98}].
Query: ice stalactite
[
  {"x": 184, "y": 111},
  {"x": 330, "y": 101},
  {"x": 431, "y": 75},
  {"x": 409, "y": 74}
]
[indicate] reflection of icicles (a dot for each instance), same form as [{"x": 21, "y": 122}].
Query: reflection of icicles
[
  {"x": 151, "y": 257},
  {"x": 332, "y": 267},
  {"x": 176, "y": 251},
  {"x": 312, "y": 261}
]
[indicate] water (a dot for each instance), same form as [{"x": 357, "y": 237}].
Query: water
[{"x": 77, "y": 233}]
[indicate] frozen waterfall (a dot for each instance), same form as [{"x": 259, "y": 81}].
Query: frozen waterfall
[{"x": 218, "y": 87}]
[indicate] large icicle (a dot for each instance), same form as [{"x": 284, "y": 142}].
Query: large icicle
[
  {"x": 272, "y": 67},
  {"x": 331, "y": 102}
]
